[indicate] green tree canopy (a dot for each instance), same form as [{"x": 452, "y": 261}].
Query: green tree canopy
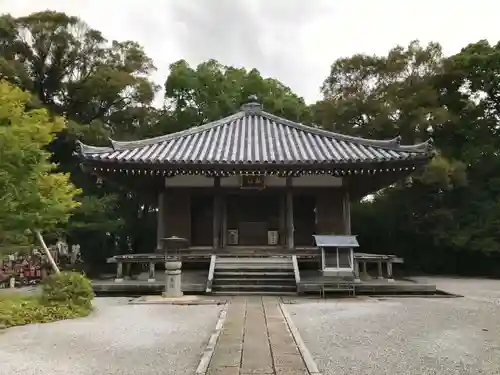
[
  {"x": 211, "y": 91},
  {"x": 380, "y": 96},
  {"x": 447, "y": 219},
  {"x": 72, "y": 69},
  {"x": 33, "y": 196}
]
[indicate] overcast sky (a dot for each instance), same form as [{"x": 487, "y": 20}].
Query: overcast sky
[{"x": 293, "y": 40}]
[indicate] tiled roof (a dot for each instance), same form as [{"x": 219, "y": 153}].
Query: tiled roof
[{"x": 255, "y": 137}]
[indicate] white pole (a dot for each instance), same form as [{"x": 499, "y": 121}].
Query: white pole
[{"x": 47, "y": 251}]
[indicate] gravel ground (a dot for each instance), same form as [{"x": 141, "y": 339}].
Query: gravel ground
[
  {"x": 116, "y": 339},
  {"x": 27, "y": 290},
  {"x": 406, "y": 335}
]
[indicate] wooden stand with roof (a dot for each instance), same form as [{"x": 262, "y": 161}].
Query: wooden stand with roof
[{"x": 254, "y": 184}]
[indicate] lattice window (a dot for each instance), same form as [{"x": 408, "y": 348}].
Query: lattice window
[{"x": 338, "y": 258}]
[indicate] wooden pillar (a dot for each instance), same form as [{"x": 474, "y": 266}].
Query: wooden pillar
[
  {"x": 347, "y": 212},
  {"x": 151, "y": 276},
  {"x": 217, "y": 214},
  {"x": 390, "y": 278},
  {"x": 160, "y": 228},
  {"x": 282, "y": 222},
  {"x": 128, "y": 270},
  {"x": 119, "y": 271},
  {"x": 289, "y": 215},
  {"x": 380, "y": 272},
  {"x": 223, "y": 239}
]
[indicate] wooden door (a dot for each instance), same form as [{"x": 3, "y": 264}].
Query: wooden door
[
  {"x": 202, "y": 216},
  {"x": 304, "y": 218},
  {"x": 253, "y": 215}
]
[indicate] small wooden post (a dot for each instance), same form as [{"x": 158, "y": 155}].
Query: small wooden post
[
  {"x": 380, "y": 272},
  {"x": 289, "y": 215},
  {"x": 390, "y": 278},
  {"x": 356, "y": 271},
  {"x": 151, "y": 276},
  {"x": 119, "y": 272},
  {"x": 365, "y": 271}
]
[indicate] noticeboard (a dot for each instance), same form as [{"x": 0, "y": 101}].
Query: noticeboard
[{"x": 253, "y": 182}]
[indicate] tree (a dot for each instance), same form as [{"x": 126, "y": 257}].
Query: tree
[
  {"x": 72, "y": 69},
  {"x": 470, "y": 88},
  {"x": 379, "y": 96},
  {"x": 211, "y": 91},
  {"x": 102, "y": 88},
  {"x": 33, "y": 197},
  {"x": 402, "y": 94}
]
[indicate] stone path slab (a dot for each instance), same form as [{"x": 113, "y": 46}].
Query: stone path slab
[{"x": 256, "y": 340}]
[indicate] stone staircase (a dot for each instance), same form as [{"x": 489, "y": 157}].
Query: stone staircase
[{"x": 254, "y": 275}]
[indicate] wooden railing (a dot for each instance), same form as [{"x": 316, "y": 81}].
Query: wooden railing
[
  {"x": 296, "y": 270},
  {"x": 211, "y": 271}
]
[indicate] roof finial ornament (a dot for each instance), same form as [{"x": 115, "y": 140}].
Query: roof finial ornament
[{"x": 252, "y": 106}]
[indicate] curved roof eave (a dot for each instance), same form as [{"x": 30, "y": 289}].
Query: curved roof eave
[
  {"x": 84, "y": 149},
  {"x": 254, "y": 109}
]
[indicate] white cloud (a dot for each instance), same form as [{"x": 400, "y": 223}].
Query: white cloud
[{"x": 292, "y": 40}]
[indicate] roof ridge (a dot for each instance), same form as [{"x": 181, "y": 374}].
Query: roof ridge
[
  {"x": 394, "y": 143},
  {"x": 82, "y": 148},
  {"x": 388, "y": 144},
  {"x": 124, "y": 145}
]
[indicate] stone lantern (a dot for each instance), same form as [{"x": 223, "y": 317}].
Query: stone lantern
[{"x": 171, "y": 247}]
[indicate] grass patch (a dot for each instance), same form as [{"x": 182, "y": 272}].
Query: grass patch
[{"x": 64, "y": 296}]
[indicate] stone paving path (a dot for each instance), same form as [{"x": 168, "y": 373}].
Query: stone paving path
[{"x": 255, "y": 340}]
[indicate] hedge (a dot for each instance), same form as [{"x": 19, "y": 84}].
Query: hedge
[{"x": 64, "y": 296}]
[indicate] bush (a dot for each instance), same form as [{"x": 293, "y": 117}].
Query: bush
[
  {"x": 69, "y": 288},
  {"x": 16, "y": 312},
  {"x": 64, "y": 296}
]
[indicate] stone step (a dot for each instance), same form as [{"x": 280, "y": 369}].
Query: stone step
[
  {"x": 256, "y": 281},
  {"x": 267, "y": 259},
  {"x": 253, "y": 293},
  {"x": 254, "y": 287},
  {"x": 255, "y": 267},
  {"x": 253, "y": 263},
  {"x": 257, "y": 276},
  {"x": 253, "y": 273}
]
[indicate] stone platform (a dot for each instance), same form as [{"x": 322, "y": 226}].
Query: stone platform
[
  {"x": 310, "y": 282},
  {"x": 184, "y": 300},
  {"x": 195, "y": 282}
]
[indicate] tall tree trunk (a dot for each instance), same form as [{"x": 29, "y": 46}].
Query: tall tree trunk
[{"x": 47, "y": 251}]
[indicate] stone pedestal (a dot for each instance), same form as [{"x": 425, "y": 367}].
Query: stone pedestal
[{"x": 173, "y": 282}]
